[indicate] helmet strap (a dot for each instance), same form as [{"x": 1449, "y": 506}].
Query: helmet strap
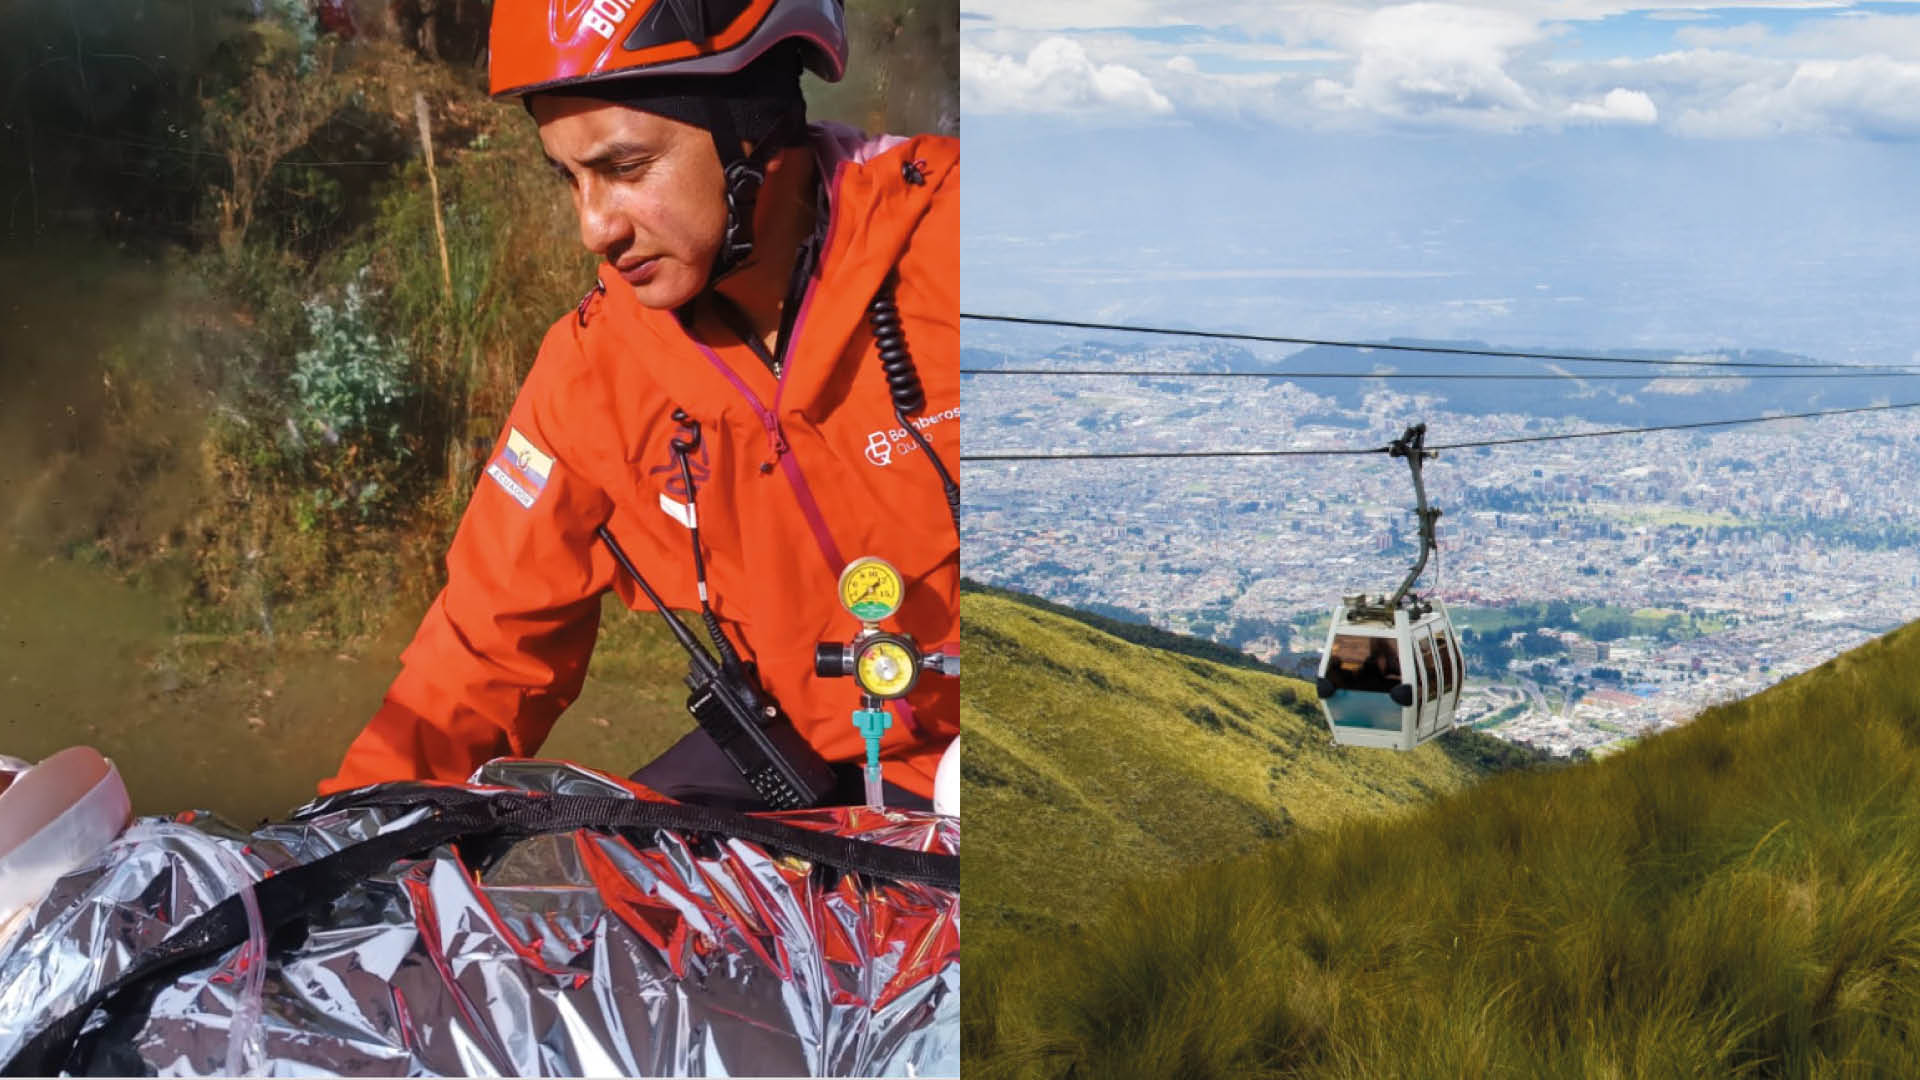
[{"x": 744, "y": 173}]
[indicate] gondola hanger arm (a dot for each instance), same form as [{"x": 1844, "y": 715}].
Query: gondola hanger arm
[{"x": 1412, "y": 445}]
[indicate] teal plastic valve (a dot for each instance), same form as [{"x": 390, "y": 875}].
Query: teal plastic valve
[{"x": 872, "y": 724}]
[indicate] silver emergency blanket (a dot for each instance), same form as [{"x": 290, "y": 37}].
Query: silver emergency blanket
[{"x": 576, "y": 953}]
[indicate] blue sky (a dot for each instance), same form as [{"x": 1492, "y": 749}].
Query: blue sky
[{"x": 1581, "y": 172}]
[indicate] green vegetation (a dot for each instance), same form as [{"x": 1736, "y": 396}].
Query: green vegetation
[
  {"x": 1501, "y": 621},
  {"x": 1601, "y": 623},
  {"x": 291, "y": 351},
  {"x": 1091, "y": 762},
  {"x": 1739, "y": 897},
  {"x": 245, "y": 403},
  {"x": 1484, "y": 632},
  {"x": 1501, "y": 717}
]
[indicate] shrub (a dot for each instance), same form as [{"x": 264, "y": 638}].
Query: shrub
[{"x": 350, "y": 383}]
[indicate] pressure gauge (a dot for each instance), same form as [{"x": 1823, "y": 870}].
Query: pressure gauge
[
  {"x": 871, "y": 589},
  {"x": 886, "y": 665}
]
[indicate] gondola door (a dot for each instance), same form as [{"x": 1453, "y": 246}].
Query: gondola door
[
  {"x": 1452, "y": 661},
  {"x": 1410, "y": 715},
  {"x": 1430, "y": 686}
]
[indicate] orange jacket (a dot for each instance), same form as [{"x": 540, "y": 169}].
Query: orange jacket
[{"x": 795, "y": 478}]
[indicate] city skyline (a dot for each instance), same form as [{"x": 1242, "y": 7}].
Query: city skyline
[{"x": 1780, "y": 544}]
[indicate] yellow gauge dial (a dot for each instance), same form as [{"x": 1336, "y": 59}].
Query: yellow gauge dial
[
  {"x": 871, "y": 588},
  {"x": 885, "y": 668}
]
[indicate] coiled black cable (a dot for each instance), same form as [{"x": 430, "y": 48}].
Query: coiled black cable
[
  {"x": 883, "y": 314},
  {"x": 903, "y": 382}
]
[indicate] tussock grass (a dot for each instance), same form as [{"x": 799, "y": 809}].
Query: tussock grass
[{"x": 1737, "y": 898}]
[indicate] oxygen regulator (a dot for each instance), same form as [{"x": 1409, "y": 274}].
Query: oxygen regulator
[{"x": 886, "y": 665}]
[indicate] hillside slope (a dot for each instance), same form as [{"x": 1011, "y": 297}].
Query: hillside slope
[
  {"x": 1738, "y": 897},
  {"x": 1091, "y": 761}
]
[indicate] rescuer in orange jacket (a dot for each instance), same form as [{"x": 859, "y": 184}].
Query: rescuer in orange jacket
[{"x": 729, "y": 343}]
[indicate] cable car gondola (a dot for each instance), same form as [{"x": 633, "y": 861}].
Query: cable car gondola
[{"x": 1391, "y": 673}]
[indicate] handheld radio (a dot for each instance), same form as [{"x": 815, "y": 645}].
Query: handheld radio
[{"x": 741, "y": 718}]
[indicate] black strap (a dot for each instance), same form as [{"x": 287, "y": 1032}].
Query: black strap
[
  {"x": 806, "y": 262},
  {"x": 743, "y": 174},
  {"x": 286, "y": 897},
  {"x": 531, "y": 815}
]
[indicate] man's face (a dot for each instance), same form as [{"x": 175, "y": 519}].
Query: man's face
[{"x": 648, "y": 190}]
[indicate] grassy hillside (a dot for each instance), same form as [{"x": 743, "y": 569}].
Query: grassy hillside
[
  {"x": 1091, "y": 761},
  {"x": 1739, "y": 897},
  {"x": 1139, "y": 633}
]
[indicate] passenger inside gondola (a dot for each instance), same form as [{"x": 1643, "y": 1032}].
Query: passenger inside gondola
[
  {"x": 1370, "y": 665},
  {"x": 1364, "y": 663},
  {"x": 1382, "y": 672}
]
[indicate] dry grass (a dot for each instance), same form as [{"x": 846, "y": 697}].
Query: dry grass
[{"x": 1741, "y": 897}]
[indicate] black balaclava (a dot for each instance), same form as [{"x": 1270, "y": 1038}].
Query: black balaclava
[{"x": 759, "y": 105}]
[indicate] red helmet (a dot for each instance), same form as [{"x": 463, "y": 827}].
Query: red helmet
[{"x": 548, "y": 44}]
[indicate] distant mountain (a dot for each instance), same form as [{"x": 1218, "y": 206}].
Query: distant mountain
[
  {"x": 975, "y": 357},
  {"x": 1652, "y": 395},
  {"x": 1737, "y": 897},
  {"x": 1090, "y": 760}
]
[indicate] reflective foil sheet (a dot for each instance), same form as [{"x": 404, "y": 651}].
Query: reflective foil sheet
[{"x": 575, "y": 953}]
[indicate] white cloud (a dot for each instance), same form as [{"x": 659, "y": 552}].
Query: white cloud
[
  {"x": 1435, "y": 58},
  {"x": 1689, "y": 76},
  {"x": 1858, "y": 35},
  {"x": 1264, "y": 17},
  {"x": 1871, "y": 95},
  {"x": 1627, "y": 106},
  {"x": 1493, "y": 65},
  {"x": 1056, "y": 76}
]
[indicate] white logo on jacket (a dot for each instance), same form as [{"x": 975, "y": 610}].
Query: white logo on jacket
[{"x": 886, "y": 442}]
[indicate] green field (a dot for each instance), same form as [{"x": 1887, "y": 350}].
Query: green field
[
  {"x": 1501, "y": 717},
  {"x": 1740, "y": 897},
  {"x": 1602, "y": 621}
]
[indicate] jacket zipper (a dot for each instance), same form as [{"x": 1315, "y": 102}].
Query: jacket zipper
[{"x": 777, "y": 444}]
